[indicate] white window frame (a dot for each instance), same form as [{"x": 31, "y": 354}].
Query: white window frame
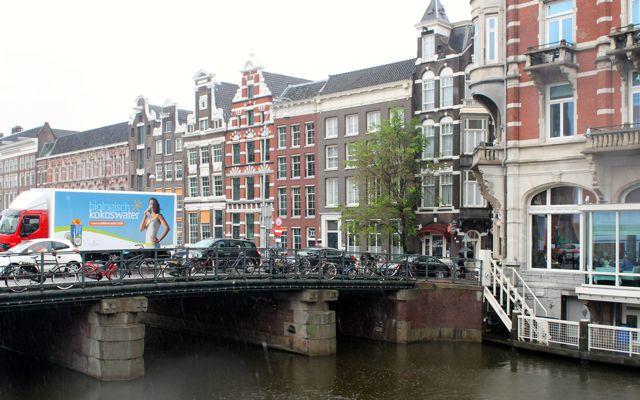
[
  {"x": 282, "y": 167},
  {"x": 331, "y": 197},
  {"x": 446, "y": 182},
  {"x": 192, "y": 157},
  {"x": 331, "y": 128},
  {"x": 446, "y": 136},
  {"x": 295, "y": 175},
  {"x": 307, "y": 163},
  {"x": 282, "y": 201},
  {"x": 633, "y": 90},
  {"x": 471, "y": 195},
  {"x": 559, "y": 18},
  {"x": 477, "y": 48},
  {"x": 159, "y": 172},
  {"x": 295, "y": 135},
  {"x": 310, "y": 133},
  {"x": 428, "y": 136},
  {"x": 446, "y": 88},
  {"x": 168, "y": 171},
  {"x": 353, "y": 192},
  {"x": 491, "y": 39},
  {"x": 429, "y": 48},
  {"x": 296, "y": 202},
  {"x": 475, "y": 133},
  {"x": 428, "y": 91},
  {"x": 282, "y": 137},
  {"x": 373, "y": 121},
  {"x": 205, "y": 157},
  {"x": 331, "y": 160},
  {"x": 205, "y": 179},
  {"x": 179, "y": 168},
  {"x": 218, "y": 186},
  {"x": 203, "y": 124},
  {"x": 428, "y": 181},
  {"x": 159, "y": 146},
  {"x": 348, "y": 156},
  {"x": 216, "y": 151},
  {"x": 630, "y": 17},
  {"x": 560, "y": 101},
  {"x": 310, "y": 198},
  {"x": 351, "y": 125}
]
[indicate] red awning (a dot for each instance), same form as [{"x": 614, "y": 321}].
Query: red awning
[{"x": 436, "y": 228}]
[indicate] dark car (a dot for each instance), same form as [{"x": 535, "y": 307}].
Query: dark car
[
  {"x": 228, "y": 249},
  {"x": 429, "y": 266},
  {"x": 315, "y": 254}
]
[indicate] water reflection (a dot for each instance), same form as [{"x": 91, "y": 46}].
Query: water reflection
[{"x": 185, "y": 367}]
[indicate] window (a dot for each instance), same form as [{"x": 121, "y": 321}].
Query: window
[
  {"x": 475, "y": 132},
  {"x": 295, "y": 167},
  {"x": 250, "y": 188},
  {"x": 250, "y": 91},
  {"x": 266, "y": 143},
  {"x": 193, "y": 157},
  {"x": 206, "y": 186},
  {"x": 491, "y": 43},
  {"x": 311, "y": 201},
  {"x": 310, "y": 165},
  {"x": 297, "y": 238},
  {"x": 282, "y": 137},
  {"x": 295, "y": 135},
  {"x": 296, "y": 202},
  {"x": 282, "y": 202},
  {"x": 266, "y": 187},
  {"x": 140, "y": 134},
  {"x": 168, "y": 171},
  {"x": 428, "y": 191},
  {"x": 217, "y": 153},
  {"x": 168, "y": 147},
  {"x": 397, "y": 112},
  {"x": 560, "y": 110},
  {"x": 282, "y": 167},
  {"x": 428, "y": 136},
  {"x": 204, "y": 124},
  {"x": 373, "y": 121},
  {"x": 250, "y": 118},
  {"x": 178, "y": 144},
  {"x": 251, "y": 152},
  {"x": 331, "y": 186},
  {"x": 193, "y": 186},
  {"x": 218, "y": 223},
  {"x": 179, "y": 170},
  {"x": 331, "y": 157},
  {"x": 428, "y": 48},
  {"x": 349, "y": 154},
  {"x": 203, "y": 101},
  {"x": 193, "y": 228},
  {"x": 235, "y": 185},
  {"x": 204, "y": 155},
  {"x": 634, "y": 12},
  {"x": 218, "y": 189},
  {"x": 168, "y": 126},
  {"x": 353, "y": 193},
  {"x": 352, "y": 238},
  {"x": 635, "y": 96},
  {"x": 428, "y": 91},
  {"x": 351, "y": 122},
  {"x": 446, "y": 88},
  {"x": 311, "y": 237},
  {"x": 331, "y": 128},
  {"x": 374, "y": 240},
  {"x": 446, "y": 190},
  {"x": 310, "y": 129},
  {"x": 236, "y": 153},
  {"x": 235, "y": 225},
  {"x": 446, "y": 137},
  {"x": 249, "y": 220},
  {"x": 158, "y": 146},
  {"x": 205, "y": 228},
  {"x": 159, "y": 172},
  {"x": 476, "y": 42},
  {"x": 560, "y": 21},
  {"x": 472, "y": 195}
]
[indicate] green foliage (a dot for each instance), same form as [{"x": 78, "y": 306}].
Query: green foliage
[{"x": 388, "y": 174}]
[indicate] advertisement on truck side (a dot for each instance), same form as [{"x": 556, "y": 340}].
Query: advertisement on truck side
[{"x": 99, "y": 220}]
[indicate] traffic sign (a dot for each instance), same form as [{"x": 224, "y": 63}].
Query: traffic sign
[{"x": 278, "y": 222}]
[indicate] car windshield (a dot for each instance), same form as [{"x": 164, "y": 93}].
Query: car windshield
[
  {"x": 203, "y": 244},
  {"x": 8, "y": 222},
  {"x": 307, "y": 252},
  {"x": 20, "y": 247}
]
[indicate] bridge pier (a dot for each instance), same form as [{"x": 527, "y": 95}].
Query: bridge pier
[
  {"x": 299, "y": 322},
  {"x": 105, "y": 340}
]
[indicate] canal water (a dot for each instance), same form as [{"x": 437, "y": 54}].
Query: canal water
[{"x": 194, "y": 368}]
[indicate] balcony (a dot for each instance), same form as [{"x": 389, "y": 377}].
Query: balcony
[
  {"x": 625, "y": 48},
  {"x": 487, "y": 155},
  {"x": 551, "y": 63},
  {"x": 621, "y": 138}
]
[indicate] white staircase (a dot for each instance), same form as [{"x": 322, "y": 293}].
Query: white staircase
[{"x": 507, "y": 292}]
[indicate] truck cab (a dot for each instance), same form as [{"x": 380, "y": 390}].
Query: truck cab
[{"x": 19, "y": 225}]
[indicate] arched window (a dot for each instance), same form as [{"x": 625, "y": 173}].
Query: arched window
[
  {"x": 446, "y": 137},
  {"x": 633, "y": 196},
  {"x": 428, "y": 135},
  {"x": 446, "y": 87},
  {"x": 428, "y": 91},
  {"x": 557, "y": 226}
]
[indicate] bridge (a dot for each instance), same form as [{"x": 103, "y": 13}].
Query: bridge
[{"x": 91, "y": 316}]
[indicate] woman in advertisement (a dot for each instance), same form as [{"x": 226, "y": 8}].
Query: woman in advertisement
[{"x": 151, "y": 222}]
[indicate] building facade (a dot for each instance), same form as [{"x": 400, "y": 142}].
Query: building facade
[
  {"x": 97, "y": 159},
  {"x": 249, "y": 166},
  {"x": 295, "y": 157},
  {"x": 204, "y": 158},
  {"x": 453, "y": 214},
  {"x": 352, "y": 104}
]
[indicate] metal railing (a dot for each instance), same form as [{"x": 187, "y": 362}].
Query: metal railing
[
  {"x": 551, "y": 52},
  {"x": 546, "y": 331},
  {"x": 66, "y": 269},
  {"x": 615, "y": 339}
]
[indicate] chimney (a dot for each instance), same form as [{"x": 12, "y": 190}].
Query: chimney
[{"x": 16, "y": 129}]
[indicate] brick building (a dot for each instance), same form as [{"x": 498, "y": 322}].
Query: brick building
[
  {"x": 295, "y": 156},
  {"x": 204, "y": 149},
  {"x": 248, "y": 164}
]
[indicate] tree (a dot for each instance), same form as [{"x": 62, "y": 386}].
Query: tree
[{"x": 388, "y": 166}]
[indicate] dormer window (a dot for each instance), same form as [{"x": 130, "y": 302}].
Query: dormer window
[
  {"x": 428, "y": 48},
  {"x": 203, "y": 102}
]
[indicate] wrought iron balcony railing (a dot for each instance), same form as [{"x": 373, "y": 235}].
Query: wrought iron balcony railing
[{"x": 624, "y": 137}]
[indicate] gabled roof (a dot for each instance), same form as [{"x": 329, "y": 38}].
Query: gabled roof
[
  {"x": 302, "y": 91},
  {"x": 373, "y": 76},
  {"x": 277, "y": 83},
  {"x": 103, "y": 136},
  {"x": 33, "y": 133},
  {"x": 433, "y": 15},
  {"x": 224, "y": 93}
]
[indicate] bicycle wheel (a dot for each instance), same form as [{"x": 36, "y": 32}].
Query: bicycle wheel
[
  {"x": 65, "y": 276},
  {"x": 170, "y": 271},
  {"x": 329, "y": 270},
  {"x": 302, "y": 266},
  {"x": 147, "y": 269},
  {"x": 251, "y": 267},
  {"x": 197, "y": 270},
  {"x": 351, "y": 272},
  {"x": 22, "y": 277}
]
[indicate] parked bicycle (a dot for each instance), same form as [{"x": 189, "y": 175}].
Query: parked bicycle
[{"x": 323, "y": 269}]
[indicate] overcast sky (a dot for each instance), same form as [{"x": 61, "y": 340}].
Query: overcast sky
[{"x": 81, "y": 64}]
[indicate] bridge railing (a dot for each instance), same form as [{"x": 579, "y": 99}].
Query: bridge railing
[{"x": 64, "y": 269}]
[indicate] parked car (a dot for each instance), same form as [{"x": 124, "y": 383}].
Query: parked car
[
  {"x": 315, "y": 254},
  {"x": 54, "y": 251},
  {"x": 228, "y": 249},
  {"x": 429, "y": 266}
]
